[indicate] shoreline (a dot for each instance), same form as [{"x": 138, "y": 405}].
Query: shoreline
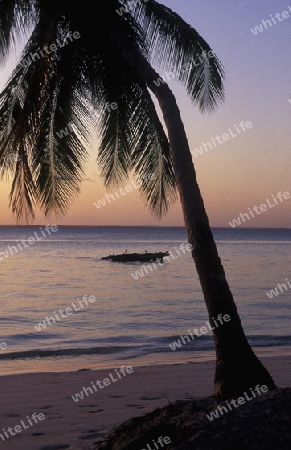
[{"x": 61, "y": 364}]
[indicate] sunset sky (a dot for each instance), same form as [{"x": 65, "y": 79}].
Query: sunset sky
[{"x": 247, "y": 169}]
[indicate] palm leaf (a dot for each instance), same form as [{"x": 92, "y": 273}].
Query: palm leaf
[
  {"x": 179, "y": 48},
  {"x": 16, "y": 17},
  {"x": 23, "y": 190},
  {"x": 37, "y": 102},
  {"x": 49, "y": 106},
  {"x": 132, "y": 136}
]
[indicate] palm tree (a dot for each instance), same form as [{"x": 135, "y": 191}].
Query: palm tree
[{"x": 63, "y": 79}]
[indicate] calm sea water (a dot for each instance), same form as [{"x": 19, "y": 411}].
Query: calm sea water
[{"x": 131, "y": 319}]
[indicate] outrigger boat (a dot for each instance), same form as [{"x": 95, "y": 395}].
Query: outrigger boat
[{"x": 142, "y": 257}]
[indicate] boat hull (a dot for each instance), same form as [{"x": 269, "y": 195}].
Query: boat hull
[{"x": 140, "y": 257}]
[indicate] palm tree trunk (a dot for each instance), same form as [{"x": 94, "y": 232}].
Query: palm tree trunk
[{"x": 237, "y": 367}]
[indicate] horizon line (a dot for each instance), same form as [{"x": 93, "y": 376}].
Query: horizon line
[{"x": 146, "y": 226}]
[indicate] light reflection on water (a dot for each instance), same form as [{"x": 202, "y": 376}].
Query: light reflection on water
[{"x": 165, "y": 303}]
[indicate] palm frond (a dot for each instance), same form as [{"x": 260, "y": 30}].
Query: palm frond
[
  {"x": 49, "y": 113},
  {"x": 16, "y": 17},
  {"x": 116, "y": 94},
  {"x": 132, "y": 136},
  {"x": 151, "y": 156},
  {"x": 23, "y": 190},
  {"x": 59, "y": 154},
  {"x": 60, "y": 149},
  {"x": 46, "y": 107},
  {"x": 177, "y": 47}
]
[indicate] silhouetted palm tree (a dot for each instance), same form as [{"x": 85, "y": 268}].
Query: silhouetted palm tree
[{"x": 105, "y": 73}]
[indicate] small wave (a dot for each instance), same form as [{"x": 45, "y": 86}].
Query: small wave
[
  {"x": 268, "y": 341},
  {"x": 137, "y": 347},
  {"x": 62, "y": 352}
]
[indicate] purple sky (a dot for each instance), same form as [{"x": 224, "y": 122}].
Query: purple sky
[{"x": 246, "y": 170}]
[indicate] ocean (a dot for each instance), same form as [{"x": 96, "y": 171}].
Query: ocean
[{"x": 134, "y": 313}]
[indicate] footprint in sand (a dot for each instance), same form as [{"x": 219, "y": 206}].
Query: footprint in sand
[
  {"x": 151, "y": 398},
  {"x": 91, "y": 435},
  {"x": 96, "y": 411},
  {"x": 87, "y": 406},
  {"x": 11, "y": 415},
  {"x": 136, "y": 406},
  {"x": 54, "y": 447}
]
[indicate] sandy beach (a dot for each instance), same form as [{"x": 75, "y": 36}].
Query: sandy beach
[{"x": 76, "y": 425}]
